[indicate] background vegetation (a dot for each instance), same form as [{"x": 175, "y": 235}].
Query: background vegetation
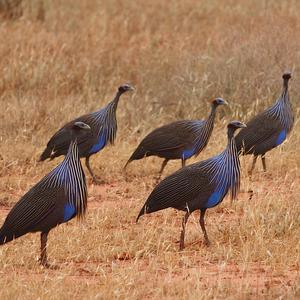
[{"x": 60, "y": 59}]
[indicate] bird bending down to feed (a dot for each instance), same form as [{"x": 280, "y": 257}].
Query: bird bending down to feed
[
  {"x": 200, "y": 186},
  {"x": 178, "y": 140},
  {"x": 268, "y": 129},
  {"x": 103, "y": 125},
  {"x": 57, "y": 198}
]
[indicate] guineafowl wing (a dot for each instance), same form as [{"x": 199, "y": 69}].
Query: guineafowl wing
[
  {"x": 187, "y": 189},
  {"x": 171, "y": 137},
  {"x": 28, "y": 214},
  {"x": 260, "y": 133},
  {"x": 60, "y": 141}
]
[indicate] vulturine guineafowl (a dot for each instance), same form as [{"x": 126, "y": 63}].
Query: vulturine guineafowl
[
  {"x": 200, "y": 186},
  {"x": 57, "y": 198},
  {"x": 103, "y": 125},
  {"x": 178, "y": 140},
  {"x": 268, "y": 129}
]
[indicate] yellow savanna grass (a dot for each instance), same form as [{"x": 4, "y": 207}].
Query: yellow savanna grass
[{"x": 179, "y": 55}]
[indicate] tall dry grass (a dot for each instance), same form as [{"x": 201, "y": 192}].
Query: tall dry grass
[{"x": 178, "y": 55}]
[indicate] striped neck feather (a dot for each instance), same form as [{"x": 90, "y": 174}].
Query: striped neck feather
[
  {"x": 105, "y": 122},
  {"x": 69, "y": 175},
  {"x": 205, "y": 131},
  {"x": 224, "y": 170},
  {"x": 282, "y": 111}
]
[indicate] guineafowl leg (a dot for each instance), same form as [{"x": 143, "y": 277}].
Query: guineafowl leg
[
  {"x": 87, "y": 163},
  {"x": 263, "y": 160},
  {"x": 162, "y": 169},
  {"x": 202, "y": 224},
  {"x": 253, "y": 165},
  {"x": 185, "y": 218},
  {"x": 182, "y": 163},
  {"x": 43, "y": 259}
]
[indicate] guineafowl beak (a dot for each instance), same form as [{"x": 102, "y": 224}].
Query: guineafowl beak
[
  {"x": 86, "y": 127},
  {"x": 242, "y": 125}
]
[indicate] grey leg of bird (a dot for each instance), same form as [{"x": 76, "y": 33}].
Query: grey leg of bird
[
  {"x": 185, "y": 218},
  {"x": 87, "y": 163},
  {"x": 182, "y": 163},
  {"x": 263, "y": 160},
  {"x": 253, "y": 165},
  {"x": 43, "y": 259},
  {"x": 202, "y": 224},
  {"x": 161, "y": 169}
]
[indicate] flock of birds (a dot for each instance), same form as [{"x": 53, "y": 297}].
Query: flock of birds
[{"x": 62, "y": 194}]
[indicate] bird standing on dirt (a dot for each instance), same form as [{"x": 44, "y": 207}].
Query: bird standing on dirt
[
  {"x": 103, "y": 125},
  {"x": 57, "y": 198},
  {"x": 178, "y": 140},
  {"x": 200, "y": 186},
  {"x": 268, "y": 129}
]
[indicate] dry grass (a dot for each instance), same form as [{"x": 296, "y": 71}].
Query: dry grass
[{"x": 179, "y": 55}]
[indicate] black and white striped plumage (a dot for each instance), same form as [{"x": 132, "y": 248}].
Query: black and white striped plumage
[
  {"x": 178, "y": 140},
  {"x": 103, "y": 125},
  {"x": 57, "y": 198},
  {"x": 199, "y": 186},
  {"x": 268, "y": 129}
]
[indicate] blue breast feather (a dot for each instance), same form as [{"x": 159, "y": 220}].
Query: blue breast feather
[
  {"x": 188, "y": 153},
  {"x": 214, "y": 199},
  {"x": 69, "y": 212},
  {"x": 220, "y": 191},
  {"x": 281, "y": 137},
  {"x": 100, "y": 144}
]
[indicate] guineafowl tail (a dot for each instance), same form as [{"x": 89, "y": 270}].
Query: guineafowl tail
[
  {"x": 46, "y": 154},
  {"x": 139, "y": 153},
  {"x": 142, "y": 212},
  {"x": 5, "y": 239}
]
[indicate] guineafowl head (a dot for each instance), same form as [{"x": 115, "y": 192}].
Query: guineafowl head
[
  {"x": 219, "y": 101},
  {"x": 287, "y": 75},
  {"x": 81, "y": 126},
  {"x": 80, "y": 129},
  {"x": 236, "y": 125},
  {"x": 125, "y": 87},
  {"x": 233, "y": 126}
]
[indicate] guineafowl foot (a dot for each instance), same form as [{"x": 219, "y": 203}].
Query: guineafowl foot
[
  {"x": 50, "y": 266},
  {"x": 251, "y": 193},
  {"x": 207, "y": 242},
  {"x": 47, "y": 265},
  {"x": 181, "y": 246},
  {"x": 97, "y": 181}
]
